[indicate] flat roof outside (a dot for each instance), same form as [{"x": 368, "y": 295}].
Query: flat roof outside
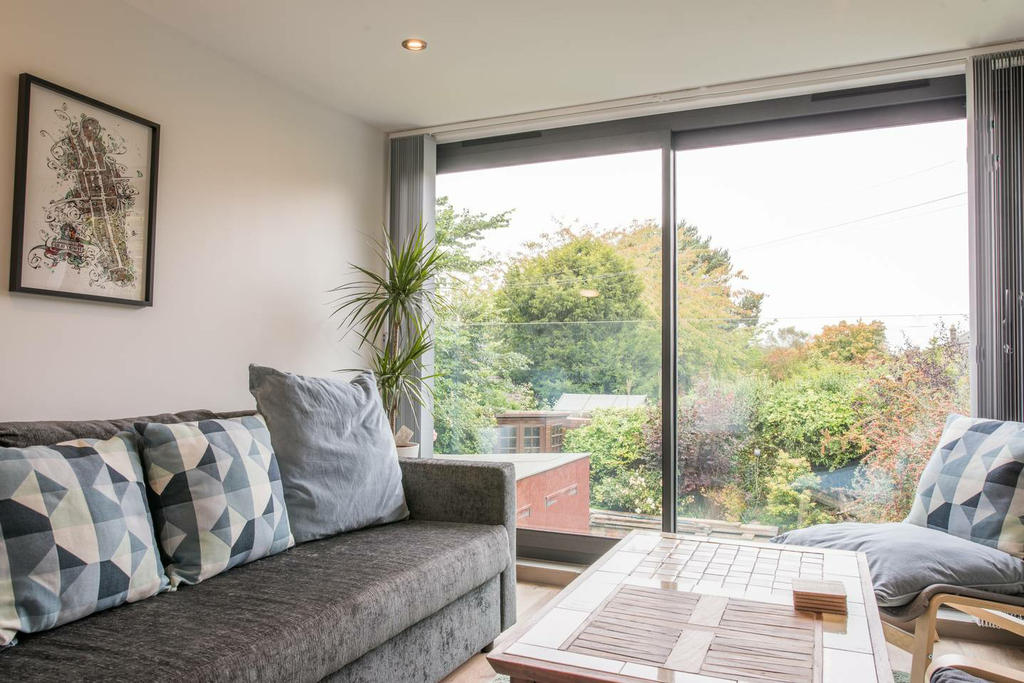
[
  {"x": 526, "y": 464},
  {"x": 583, "y": 403}
]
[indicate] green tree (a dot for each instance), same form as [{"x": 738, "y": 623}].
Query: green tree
[
  {"x": 474, "y": 374},
  {"x": 460, "y": 233},
  {"x": 718, "y": 317},
  {"x": 575, "y": 310},
  {"x": 473, "y": 370}
]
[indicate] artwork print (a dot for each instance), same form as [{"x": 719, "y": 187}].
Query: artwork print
[{"x": 84, "y": 198}]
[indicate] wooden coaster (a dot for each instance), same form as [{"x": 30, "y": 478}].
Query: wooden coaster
[{"x": 812, "y": 595}]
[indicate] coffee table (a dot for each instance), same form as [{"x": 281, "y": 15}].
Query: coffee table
[{"x": 671, "y": 607}]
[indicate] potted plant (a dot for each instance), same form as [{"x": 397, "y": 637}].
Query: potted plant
[{"x": 391, "y": 312}]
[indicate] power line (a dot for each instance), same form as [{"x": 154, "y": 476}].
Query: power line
[
  {"x": 867, "y": 315},
  {"x": 910, "y": 175},
  {"x": 898, "y": 219},
  {"x": 501, "y": 323},
  {"x": 836, "y": 226},
  {"x": 587, "y": 279}
]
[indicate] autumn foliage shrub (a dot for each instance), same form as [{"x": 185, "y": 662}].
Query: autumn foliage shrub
[{"x": 902, "y": 412}]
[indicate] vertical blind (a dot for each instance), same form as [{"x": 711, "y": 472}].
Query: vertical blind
[
  {"x": 411, "y": 203},
  {"x": 998, "y": 258}
]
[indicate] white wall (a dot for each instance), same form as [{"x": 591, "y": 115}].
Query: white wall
[{"x": 264, "y": 197}]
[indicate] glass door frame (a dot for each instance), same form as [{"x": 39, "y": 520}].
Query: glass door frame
[
  {"x": 893, "y": 104},
  {"x": 669, "y": 340}
]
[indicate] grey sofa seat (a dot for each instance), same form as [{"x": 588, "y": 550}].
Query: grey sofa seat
[{"x": 297, "y": 616}]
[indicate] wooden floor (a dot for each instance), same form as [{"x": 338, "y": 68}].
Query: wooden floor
[{"x": 530, "y": 597}]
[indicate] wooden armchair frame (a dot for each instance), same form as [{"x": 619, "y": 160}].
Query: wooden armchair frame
[{"x": 921, "y": 642}]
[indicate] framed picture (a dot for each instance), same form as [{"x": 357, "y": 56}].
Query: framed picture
[{"x": 84, "y": 197}]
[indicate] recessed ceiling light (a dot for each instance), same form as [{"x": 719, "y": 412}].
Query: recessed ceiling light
[{"x": 414, "y": 44}]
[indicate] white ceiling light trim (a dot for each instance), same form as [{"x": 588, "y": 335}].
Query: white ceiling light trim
[{"x": 805, "y": 83}]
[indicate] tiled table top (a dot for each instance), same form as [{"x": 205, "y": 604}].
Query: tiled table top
[{"x": 670, "y": 607}]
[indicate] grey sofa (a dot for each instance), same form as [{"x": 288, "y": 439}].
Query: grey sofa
[{"x": 408, "y": 601}]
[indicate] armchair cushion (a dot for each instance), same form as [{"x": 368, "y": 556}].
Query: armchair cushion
[
  {"x": 950, "y": 675},
  {"x": 905, "y": 559},
  {"x": 973, "y": 485}
]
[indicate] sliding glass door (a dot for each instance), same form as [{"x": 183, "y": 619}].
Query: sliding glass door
[
  {"x": 811, "y": 341},
  {"x": 549, "y": 356},
  {"x": 823, "y": 324}
]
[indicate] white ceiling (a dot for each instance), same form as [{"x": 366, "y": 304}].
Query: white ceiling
[{"x": 497, "y": 57}]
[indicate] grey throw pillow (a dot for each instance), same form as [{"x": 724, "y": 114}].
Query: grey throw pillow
[
  {"x": 973, "y": 485},
  {"x": 337, "y": 456},
  {"x": 905, "y": 559}
]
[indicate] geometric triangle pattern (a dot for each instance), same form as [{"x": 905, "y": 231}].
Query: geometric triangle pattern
[
  {"x": 973, "y": 485},
  {"x": 76, "y": 536},
  {"x": 215, "y": 493}
]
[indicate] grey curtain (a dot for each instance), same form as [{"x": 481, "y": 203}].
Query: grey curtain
[
  {"x": 997, "y": 248},
  {"x": 411, "y": 201}
]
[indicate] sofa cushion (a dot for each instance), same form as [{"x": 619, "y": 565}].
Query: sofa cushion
[
  {"x": 24, "y": 434},
  {"x": 75, "y": 533},
  {"x": 335, "y": 448},
  {"x": 973, "y": 485},
  {"x": 296, "y": 616},
  {"x": 216, "y": 495},
  {"x": 905, "y": 559}
]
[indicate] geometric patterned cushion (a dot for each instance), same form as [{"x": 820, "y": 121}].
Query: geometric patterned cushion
[
  {"x": 973, "y": 485},
  {"x": 76, "y": 536},
  {"x": 216, "y": 494}
]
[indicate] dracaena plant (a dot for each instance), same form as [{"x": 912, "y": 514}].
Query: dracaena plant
[{"x": 391, "y": 312}]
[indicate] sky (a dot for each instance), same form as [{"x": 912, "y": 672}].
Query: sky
[{"x": 865, "y": 225}]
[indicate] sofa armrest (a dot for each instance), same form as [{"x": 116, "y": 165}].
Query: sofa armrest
[{"x": 469, "y": 492}]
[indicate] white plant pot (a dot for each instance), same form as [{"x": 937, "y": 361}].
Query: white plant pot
[{"x": 410, "y": 451}]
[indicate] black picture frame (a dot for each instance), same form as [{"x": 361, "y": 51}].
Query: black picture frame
[{"x": 21, "y": 188}]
